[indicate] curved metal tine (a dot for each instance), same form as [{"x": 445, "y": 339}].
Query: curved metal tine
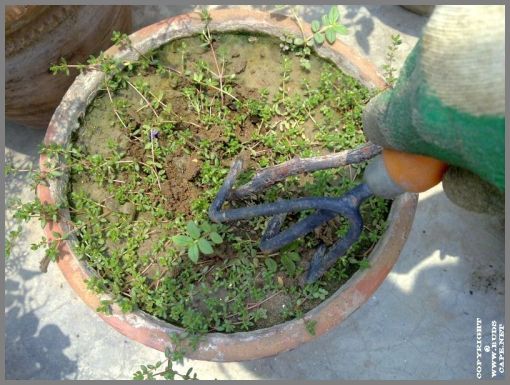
[
  {"x": 272, "y": 228},
  {"x": 215, "y": 213},
  {"x": 347, "y": 205},
  {"x": 272, "y": 240},
  {"x": 323, "y": 260},
  {"x": 280, "y": 207}
]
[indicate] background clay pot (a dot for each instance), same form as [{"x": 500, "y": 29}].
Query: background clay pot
[
  {"x": 37, "y": 36},
  {"x": 217, "y": 346}
]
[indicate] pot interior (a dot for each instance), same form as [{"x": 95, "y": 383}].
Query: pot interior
[{"x": 153, "y": 149}]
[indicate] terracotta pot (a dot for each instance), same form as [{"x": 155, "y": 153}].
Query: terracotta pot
[
  {"x": 37, "y": 36},
  {"x": 245, "y": 345}
]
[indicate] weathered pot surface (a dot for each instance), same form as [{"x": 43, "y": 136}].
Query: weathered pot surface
[
  {"x": 241, "y": 346},
  {"x": 36, "y": 37}
]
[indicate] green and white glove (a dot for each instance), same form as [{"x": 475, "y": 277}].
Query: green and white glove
[{"x": 449, "y": 103}]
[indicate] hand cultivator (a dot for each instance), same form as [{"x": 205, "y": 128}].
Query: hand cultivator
[{"x": 325, "y": 208}]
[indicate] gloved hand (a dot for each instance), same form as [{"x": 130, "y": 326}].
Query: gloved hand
[{"x": 449, "y": 104}]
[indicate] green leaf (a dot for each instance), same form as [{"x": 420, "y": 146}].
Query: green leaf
[
  {"x": 193, "y": 230},
  {"x": 197, "y": 77},
  {"x": 330, "y": 36},
  {"x": 364, "y": 264},
  {"x": 294, "y": 256},
  {"x": 325, "y": 20},
  {"x": 193, "y": 253},
  {"x": 56, "y": 173},
  {"x": 310, "y": 326},
  {"x": 341, "y": 29},
  {"x": 271, "y": 264},
  {"x": 216, "y": 238},
  {"x": 204, "y": 246},
  {"x": 333, "y": 14},
  {"x": 316, "y": 25},
  {"x": 305, "y": 63},
  {"x": 206, "y": 227},
  {"x": 288, "y": 264},
  {"x": 319, "y": 38},
  {"x": 298, "y": 41},
  {"x": 182, "y": 240}
]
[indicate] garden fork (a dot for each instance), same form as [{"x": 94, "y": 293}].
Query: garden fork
[{"x": 325, "y": 208}]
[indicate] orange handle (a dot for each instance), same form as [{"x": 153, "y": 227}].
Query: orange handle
[{"x": 413, "y": 173}]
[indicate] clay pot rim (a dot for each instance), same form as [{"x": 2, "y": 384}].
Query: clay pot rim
[
  {"x": 240, "y": 346},
  {"x": 17, "y": 16}
]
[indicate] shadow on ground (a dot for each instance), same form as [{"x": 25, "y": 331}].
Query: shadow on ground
[
  {"x": 21, "y": 143},
  {"x": 33, "y": 352}
]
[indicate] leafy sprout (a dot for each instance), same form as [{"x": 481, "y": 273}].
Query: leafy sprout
[
  {"x": 325, "y": 29},
  {"x": 198, "y": 239},
  {"x": 389, "y": 70},
  {"x": 328, "y": 27}
]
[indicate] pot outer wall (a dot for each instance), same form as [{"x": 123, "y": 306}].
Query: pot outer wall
[
  {"x": 422, "y": 10},
  {"x": 241, "y": 346},
  {"x": 37, "y": 37}
]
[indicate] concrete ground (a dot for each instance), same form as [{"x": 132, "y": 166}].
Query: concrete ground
[{"x": 420, "y": 324}]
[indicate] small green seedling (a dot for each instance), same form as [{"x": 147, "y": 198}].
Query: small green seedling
[
  {"x": 389, "y": 70},
  {"x": 205, "y": 15},
  {"x": 363, "y": 264},
  {"x": 289, "y": 260},
  {"x": 327, "y": 28},
  {"x": 198, "y": 239},
  {"x": 310, "y": 326}
]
